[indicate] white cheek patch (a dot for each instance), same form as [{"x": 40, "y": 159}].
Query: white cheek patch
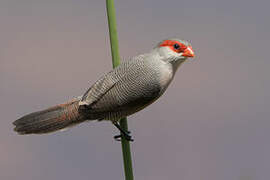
[
  {"x": 167, "y": 52},
  {"x": 172, "y": 53}
]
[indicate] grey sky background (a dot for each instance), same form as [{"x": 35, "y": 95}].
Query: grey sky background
[{"x": 211, "y": 124}]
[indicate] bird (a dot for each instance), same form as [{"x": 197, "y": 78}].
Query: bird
[{"x": 125, "y": 90}]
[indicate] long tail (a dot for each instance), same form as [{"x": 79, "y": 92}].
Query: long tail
[{"x": 51, "y": 119}]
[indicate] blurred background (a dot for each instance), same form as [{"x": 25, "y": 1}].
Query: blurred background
[{"x": 211, "y": 124}]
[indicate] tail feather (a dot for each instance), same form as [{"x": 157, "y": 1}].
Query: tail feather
[{"x": 50, "y": 120}]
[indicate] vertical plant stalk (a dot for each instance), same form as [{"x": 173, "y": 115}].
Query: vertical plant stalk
[{"x": 116, "y": 61}]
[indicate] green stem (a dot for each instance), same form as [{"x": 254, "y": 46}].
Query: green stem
[{"x": 116, "y": 61}]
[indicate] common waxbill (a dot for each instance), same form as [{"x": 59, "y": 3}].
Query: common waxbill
[{"x": 127, "y": 89}]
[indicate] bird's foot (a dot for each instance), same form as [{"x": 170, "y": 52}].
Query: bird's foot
[{"x": 125, "y": 135}]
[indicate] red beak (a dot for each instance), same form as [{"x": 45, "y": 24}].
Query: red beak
[{"x": 188, "y": 52}]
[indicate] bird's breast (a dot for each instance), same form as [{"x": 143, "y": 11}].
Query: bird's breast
[{"x": 165, "y": 75}]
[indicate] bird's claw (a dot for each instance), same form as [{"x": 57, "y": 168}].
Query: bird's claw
[{"x": 117, "y": 137}]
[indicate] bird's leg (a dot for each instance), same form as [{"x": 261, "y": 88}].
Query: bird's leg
[{"x": 124, "y": 133}]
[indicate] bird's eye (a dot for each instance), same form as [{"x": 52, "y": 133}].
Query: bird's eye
[{"x": 176, "y": 46}]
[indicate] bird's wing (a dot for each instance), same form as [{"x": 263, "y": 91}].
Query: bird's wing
[
  {"x": 100, "y": 88},
  {"x": 104, "y": 84},
  {"x": 130, "y": 85}
]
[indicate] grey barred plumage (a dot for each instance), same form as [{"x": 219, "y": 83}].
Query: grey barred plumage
[
  {"x": 127, "y": 89},
  {"x": 124, "y": 90}
]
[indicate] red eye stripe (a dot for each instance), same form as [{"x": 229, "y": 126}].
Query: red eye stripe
[{"x": 170, "y": 44}]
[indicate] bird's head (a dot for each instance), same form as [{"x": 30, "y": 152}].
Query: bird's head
[{"x": 175, "y": 50}]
